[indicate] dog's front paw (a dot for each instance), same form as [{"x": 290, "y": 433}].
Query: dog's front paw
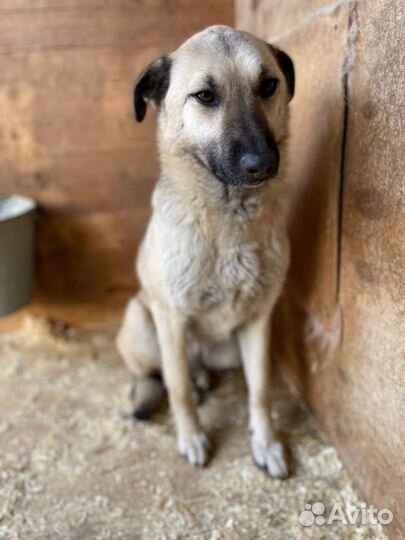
[
  {"x": 270, "y": 457},
  {"x": 194, "y": 447}
]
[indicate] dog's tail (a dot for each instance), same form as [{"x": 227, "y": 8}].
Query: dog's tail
[{"x": 147, "y": 394}]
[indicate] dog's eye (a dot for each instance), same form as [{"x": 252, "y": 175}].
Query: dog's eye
[
  {"x": 268, "y": 88},
  {"x": 206, "y": 97}
]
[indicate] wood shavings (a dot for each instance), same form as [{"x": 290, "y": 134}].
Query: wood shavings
[{"x": 74, "y": 466}]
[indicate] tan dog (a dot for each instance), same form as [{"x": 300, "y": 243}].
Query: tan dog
[{"x": 215, "y": 255}]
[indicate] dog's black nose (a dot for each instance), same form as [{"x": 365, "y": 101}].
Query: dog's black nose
[{"x": 260, "y": 165}]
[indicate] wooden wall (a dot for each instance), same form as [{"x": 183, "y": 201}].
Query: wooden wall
[
  {"x": 340, "y": 327},
  {"x": 68, "y": 137}
]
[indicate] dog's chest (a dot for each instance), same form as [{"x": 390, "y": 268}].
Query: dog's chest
[
  {"x": 217, "y": 269},
  {"x": 236, "y": 275},
  {"x": 227, "y": 275}
]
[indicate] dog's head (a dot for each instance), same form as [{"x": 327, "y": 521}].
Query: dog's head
[{"x": 223, "y": 100}]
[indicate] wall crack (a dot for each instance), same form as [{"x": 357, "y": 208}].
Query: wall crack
[{"x": 348, "y": 66}]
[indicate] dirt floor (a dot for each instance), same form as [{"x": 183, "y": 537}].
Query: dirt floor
[{"x": 74, "y": 465}]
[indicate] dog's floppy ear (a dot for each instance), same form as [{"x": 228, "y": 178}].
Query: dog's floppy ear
[
  {"x": 152, "y": 86},
  {"x": 287, "y": 67}
]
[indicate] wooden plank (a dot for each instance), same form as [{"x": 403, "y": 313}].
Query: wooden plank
[
  {"x": 128, "y": 25},
  {"x": 61, "y": 5},
  {"x": 105, "y": 184},
  {"x": 88, "y": 256},
  {"x": 72, "y": 68}
]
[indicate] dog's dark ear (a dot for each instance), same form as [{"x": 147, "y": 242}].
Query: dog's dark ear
[
  {"x": 151, "y": 86},
  {"x": 287, "y": 67}
]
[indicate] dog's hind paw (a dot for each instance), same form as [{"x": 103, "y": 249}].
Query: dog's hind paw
[
  {"x": 194, "y": 447},
  {"x": 147, "y": 395},
  {"x": 271, "y": 458}
]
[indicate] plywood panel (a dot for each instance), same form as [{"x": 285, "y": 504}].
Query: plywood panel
[
  {"x": 278, "y": 18},
  {"x": 340, "y": 327},
  {"x": 373, "y": 256},
  {"x": 308, "y": 321}
]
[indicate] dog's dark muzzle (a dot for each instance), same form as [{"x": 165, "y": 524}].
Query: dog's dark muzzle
[
  {"x": 258, "y": 167},
  {"x": 247, "y": 154}
]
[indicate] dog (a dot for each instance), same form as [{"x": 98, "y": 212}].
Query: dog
[{"x": 215, "y": 254}]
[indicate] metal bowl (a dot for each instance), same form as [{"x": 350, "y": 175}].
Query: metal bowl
[{"x": 17, "y": 216}]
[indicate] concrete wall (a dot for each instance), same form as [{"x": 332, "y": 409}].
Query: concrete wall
[{"x": 341, "y": 325}]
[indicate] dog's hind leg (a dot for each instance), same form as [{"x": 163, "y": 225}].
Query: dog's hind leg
[{"x": 138, "y": 345}]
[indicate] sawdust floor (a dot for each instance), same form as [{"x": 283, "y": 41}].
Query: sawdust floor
[{"x": 74, "y": 465}]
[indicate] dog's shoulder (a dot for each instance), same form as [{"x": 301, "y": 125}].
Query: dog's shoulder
[{"x": 176, "y": 254}]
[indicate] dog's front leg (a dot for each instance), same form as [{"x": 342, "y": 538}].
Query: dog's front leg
[
  {"x": 268, "y": 453},
  {"x": 171, "y": 328}
]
